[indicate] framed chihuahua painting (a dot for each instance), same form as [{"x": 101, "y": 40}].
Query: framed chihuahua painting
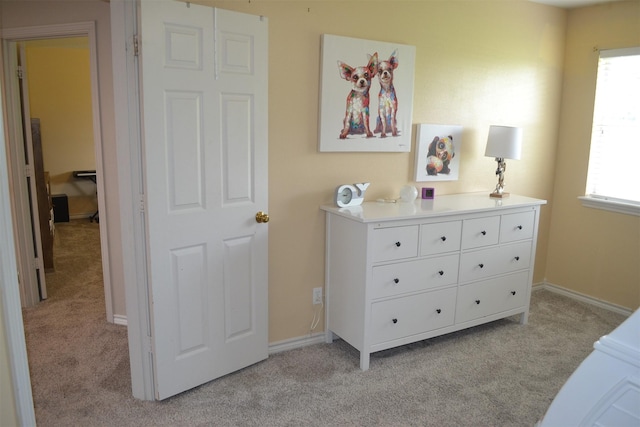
[
  {"x": 366, "y": 95},
  {"x": 438, "y": 152}
]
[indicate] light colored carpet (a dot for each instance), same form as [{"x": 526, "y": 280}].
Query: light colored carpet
[{"x": 500, "y": 374}]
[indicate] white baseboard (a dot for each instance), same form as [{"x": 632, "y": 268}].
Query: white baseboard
[
  {"x": 276, "y": 347},
  {"x": 120, "y": 319},
  {"x": 293, "y": 343},
  {"x": 318, "y": 337},
  {"x": 583, "y": 298}
]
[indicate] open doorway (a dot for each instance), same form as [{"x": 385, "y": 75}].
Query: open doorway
[
  {"x": 71, "y": 140},
  {"x": 56, "y": 79}
]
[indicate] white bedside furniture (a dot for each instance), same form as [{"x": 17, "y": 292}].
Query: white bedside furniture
[
  {"x": 605, "y": 389},
  {"x": 402, "y": 272}
]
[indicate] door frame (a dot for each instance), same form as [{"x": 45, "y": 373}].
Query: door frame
[
  {"x": 128, "y": 131},
  {"x": 10, "y": 302},
  {"x": 83, "y": 29}
]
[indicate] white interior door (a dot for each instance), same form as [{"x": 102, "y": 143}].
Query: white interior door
[
  {"x": 204, "y": 90},
  {"x": 29, "y": 240}
]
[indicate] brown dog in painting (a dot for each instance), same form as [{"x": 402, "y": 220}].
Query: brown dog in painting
[
  {"x": 387, "y": 100},
  {"x": 356, "y": 118}
]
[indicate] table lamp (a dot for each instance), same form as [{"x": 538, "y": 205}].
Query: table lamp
[{"x": 504, "y": 142}]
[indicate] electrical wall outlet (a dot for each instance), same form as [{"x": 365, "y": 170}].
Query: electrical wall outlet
[{"x": 317, "y": 296}]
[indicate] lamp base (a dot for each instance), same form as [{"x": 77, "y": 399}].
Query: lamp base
[{"x": 499, "y": 195}]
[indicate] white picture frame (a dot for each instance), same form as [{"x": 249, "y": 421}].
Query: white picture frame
[
  {"x": 442, "y": 142},
  {"x": 335, "y": 92}
]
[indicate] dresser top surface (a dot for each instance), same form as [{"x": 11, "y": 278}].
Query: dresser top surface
[{"x": 440, "y": 206}]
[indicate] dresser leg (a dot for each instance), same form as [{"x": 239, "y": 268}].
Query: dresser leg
[
  {"x": 364, "y": 361},
  {"x": 524, "y": 318},
  {"x": 329, "y": 337}
]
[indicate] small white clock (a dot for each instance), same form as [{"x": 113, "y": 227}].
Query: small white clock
[{"x": 350, "y": 195}]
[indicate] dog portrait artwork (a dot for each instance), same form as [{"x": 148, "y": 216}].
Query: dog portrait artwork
[
  {"x": 437, "y": 152},
  {"x": 387, "y": 98},
  {"x": 439, "y": 156},
  {"x": 359, "y": 105},
  {"x": 356, "y": 119}
]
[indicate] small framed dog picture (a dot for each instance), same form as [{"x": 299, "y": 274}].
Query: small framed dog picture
[
  {"x": 438, "y": 152},
  {"x": 366, "y": 95}
]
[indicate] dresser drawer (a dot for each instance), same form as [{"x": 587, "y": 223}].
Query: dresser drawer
[
  {"x": 480, "y": 232},
  {"x": 491, "y": 296},
  {"x": 410, "y": 315},
  {"x": 483, "y": 263},
  {"x": 517, "y": 226},
  {"x": 411, "y": 276},
  {"x": 395, "y": 243},
  {"x": 440, "y": 237}
]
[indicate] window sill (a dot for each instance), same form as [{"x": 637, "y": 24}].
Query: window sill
[{"x": 610, "y": 205}]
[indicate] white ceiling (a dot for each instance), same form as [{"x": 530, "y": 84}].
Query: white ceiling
[{"x": 569, "y": 4}]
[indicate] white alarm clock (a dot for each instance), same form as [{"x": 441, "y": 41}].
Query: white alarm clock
[{"x": 350, "y": 195}]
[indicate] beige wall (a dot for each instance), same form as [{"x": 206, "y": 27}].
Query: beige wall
[
  {"x": 58, "y": 73},
  {"x": 591, "y": 251},
  {"x": 18, "y": 13},
  {"x": 477, "y": 63}
]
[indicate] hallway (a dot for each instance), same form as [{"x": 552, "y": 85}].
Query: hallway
[{"x": 75, "y": 356}]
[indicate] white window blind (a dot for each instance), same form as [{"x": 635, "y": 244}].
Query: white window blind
[{"x": 614, "y": 159}]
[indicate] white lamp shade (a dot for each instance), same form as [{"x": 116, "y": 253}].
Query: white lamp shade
[{"x": 504, "y": 142}]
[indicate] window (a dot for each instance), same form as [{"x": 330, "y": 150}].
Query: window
[{"x": 613, "y": 180}]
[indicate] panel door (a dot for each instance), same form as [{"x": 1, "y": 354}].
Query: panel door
[
  {"x": 204, "y": 89},
  {"x": 33, "y": 286}
]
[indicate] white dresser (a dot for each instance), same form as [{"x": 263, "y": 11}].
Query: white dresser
[{"x": 397, "y": 273}]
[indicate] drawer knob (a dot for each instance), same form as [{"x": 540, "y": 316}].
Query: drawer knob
[
  {"x": 438, "y": 311},
  {"x": 441, "y": 273},
  {"x": 519, "y": 227},
  {"x": 481, "y": 265},
  {"x": 513, "y": 292},
  {"x": 396, "y": 280},
  {"x": 443, "y": 238},
  {"x": 517, "y": 258},
  {"x": 478, "y": 301},
  {"x": 484, "y": 233},
  {"x": 398, "y": 244},
  {"x": 394, "y": 321}
]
